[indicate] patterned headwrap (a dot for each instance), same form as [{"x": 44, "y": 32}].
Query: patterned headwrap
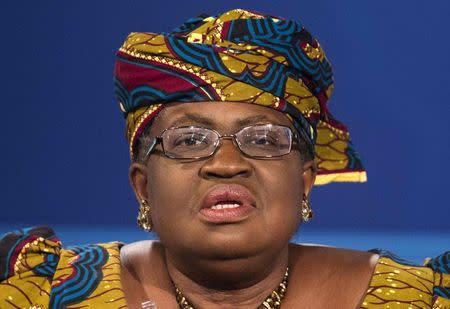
[{"x": 239, "y": 56}]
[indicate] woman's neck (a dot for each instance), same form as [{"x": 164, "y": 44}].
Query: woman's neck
[{"x": 242, "y": 283}]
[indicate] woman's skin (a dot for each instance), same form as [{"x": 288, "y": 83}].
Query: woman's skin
[{"x": 232, "y": 264}]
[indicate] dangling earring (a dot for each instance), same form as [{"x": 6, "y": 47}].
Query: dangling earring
[
  {"x": 306, "y": 210},
  {"x": 144, "y": 219}
]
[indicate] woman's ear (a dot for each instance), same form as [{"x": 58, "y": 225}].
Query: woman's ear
[
  {"x": 138, "y": 180},
  {"x": 309, "y": 176}
]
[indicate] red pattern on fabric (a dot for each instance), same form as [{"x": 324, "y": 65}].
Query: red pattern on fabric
[
  {"x": 225, "y": 28},
  {"x": 17, "y": 251},
  {"x": 133, "y": 76}
]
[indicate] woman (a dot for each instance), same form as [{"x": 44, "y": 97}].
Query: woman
[{"x": 229, "y": 130}]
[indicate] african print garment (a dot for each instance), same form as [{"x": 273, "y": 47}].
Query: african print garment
[
  {"x": 36, "y": 272},
  {"x": 398, "y": 284}
]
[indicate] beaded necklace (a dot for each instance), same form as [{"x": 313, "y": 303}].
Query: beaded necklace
[{"x": 273, "y": 301}]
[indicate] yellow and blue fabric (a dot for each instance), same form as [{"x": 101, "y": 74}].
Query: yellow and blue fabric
[
  {"x": 37, "y": 272},
  {"x": 238, "y": 56}
]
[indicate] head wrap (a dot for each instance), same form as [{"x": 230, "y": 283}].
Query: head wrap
[{"x": 238, "y": 56}]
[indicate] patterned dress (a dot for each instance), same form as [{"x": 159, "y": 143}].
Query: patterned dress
[{"x": 36, "y": 272}]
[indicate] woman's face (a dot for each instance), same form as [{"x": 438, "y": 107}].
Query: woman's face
[{"x": 187, "y": 198}]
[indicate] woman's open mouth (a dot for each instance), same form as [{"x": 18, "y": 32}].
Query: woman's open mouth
[{"x": 227, "y": 204}]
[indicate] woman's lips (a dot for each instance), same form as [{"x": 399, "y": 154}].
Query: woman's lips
[{"x": 227, "y": 204}]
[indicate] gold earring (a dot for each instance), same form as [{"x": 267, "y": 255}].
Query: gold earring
[
  {"x": 144, "y": 219},
  {"x": 306, "y": 210}
]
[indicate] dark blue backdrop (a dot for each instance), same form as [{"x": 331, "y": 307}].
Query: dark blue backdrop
[{"x": 64, "y": 157}]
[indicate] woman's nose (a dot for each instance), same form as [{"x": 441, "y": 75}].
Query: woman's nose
[{"x": 226, "y": 162}]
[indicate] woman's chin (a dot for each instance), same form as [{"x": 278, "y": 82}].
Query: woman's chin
[{"x": 231, "y": 243}]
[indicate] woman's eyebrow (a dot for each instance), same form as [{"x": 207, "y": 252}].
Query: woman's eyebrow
[
  {"x": 253, "y": 119},
  {"x": 191, "y": 118}
]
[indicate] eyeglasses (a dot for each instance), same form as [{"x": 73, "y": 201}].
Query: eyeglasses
[{"x": 256, "y": 141}]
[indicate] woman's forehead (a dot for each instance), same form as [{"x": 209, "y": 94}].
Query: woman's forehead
[{"x": 218, "y": 114}]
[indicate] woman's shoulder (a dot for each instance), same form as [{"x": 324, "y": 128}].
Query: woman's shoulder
[
  {"x": 326, "y": 257},
  {"x": 324, "y": 275},
  {"x": 378, "y": 277},
  {"x": 140, "y": 250},
  {"x": 144, "y": 272},
  {"x": 137, "y": 259},
  {"x": 397, "y": 282},
  {"x": 36, "y": 271}
]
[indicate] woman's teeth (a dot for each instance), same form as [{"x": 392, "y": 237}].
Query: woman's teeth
[{"x": 225, "y": 206}]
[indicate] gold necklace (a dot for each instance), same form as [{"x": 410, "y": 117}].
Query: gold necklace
[{"x": 273, "y": 301}]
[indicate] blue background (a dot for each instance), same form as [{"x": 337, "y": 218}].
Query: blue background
[{"x": 64, "y": 158}]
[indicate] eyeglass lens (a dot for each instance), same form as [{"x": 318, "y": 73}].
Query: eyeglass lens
[{"x": 266, "y": 140}]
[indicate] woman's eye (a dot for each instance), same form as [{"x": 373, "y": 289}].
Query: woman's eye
[
  {"x": 190, "y": 140},
  {"x": 263, "y": 141}
]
